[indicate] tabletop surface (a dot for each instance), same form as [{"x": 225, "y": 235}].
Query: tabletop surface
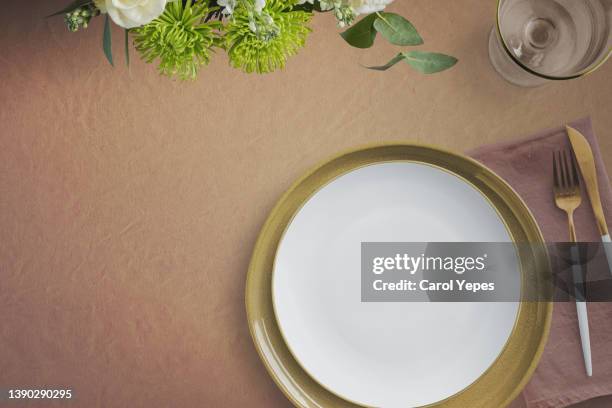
[{"x": 130, "y": 203}]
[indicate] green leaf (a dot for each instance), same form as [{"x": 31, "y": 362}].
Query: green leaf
[
  {"x": 397, "y": 30},
  {"x": 361, "y": 34},
  {"x": 106, "y": 41},
  {"x": 399, "y": 57},
  {"x": 73, "y": 5},
  {"x": 316, "y": 6},
  {"x": 127, "y": 48},
  {"x": 424, "y": 62},
  {"x": 429, "y": 62}
]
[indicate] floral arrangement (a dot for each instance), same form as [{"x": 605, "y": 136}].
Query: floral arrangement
[{"x": 257, "y": 35}]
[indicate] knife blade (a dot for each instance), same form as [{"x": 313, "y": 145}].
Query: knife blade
[{"x": 586, "y": 164}]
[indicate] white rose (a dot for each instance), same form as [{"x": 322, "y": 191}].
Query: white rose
[
  {"x": 132, "y": 13},
  {"x": 369, "y": 6}
]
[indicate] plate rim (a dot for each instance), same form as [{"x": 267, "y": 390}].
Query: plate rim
[{"x": 285, "y": 369}]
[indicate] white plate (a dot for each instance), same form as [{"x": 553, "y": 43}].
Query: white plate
[{"x": 386, "y": 354}]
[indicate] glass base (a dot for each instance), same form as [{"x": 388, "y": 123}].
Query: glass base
[{"x": 507, "y": 68}]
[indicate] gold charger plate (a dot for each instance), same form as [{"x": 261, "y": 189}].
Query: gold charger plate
[{"x": 504, "y": 379}]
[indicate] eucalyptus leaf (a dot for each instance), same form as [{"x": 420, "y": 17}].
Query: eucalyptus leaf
[
  {"x": 429, "y": 62},
  {"x": 106, "y": 41},
  {"x": 362, "y": 33},
  {"x": 396, "y": 29},
  {"x": 70, "y": 7},
  {"x": 424, "y": 62},
  {"x": 127, "y": 48}
]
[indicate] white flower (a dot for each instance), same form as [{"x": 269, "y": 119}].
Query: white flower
[
  {"x": 132, "y": 13},
  {"x": 259, "y": 5},
  {"x": 228, "y": 6},
  {"x": 368, "y": 6}
]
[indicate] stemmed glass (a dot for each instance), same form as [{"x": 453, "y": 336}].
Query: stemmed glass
[{"x": 535, "y": 41}]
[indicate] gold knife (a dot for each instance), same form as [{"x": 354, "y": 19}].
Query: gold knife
[{"x": 586, "y": 163}]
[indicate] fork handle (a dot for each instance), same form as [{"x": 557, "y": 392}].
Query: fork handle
[
  {"x": 572, "y": 228},
  {"x": 607, "y": 244}
]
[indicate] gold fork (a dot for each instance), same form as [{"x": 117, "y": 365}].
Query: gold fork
[{"x": 566, "y": 186}]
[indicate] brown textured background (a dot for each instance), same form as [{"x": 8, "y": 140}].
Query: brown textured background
[{"x": 129, "y": 203}]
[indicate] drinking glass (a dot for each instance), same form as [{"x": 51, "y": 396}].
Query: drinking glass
[{"x": 535, "y": 41}]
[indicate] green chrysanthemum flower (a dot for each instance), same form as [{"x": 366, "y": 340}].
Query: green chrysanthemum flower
[
  {"x": 262, "y": 42},
  {"x": 180, "y": 38}
]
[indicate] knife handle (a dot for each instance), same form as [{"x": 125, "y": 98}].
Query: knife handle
[
  {"x": 581, "y": 310},
  {"x": 607, "y": 244},
  {"x": 583, "y": 326}
]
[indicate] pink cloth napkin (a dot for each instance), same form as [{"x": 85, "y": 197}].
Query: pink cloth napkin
[{"x": 560, "y": 379}]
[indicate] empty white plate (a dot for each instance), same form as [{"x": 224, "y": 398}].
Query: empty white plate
[{"x": 386, "y": 354}]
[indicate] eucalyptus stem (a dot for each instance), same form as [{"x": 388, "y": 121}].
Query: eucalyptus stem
[{"x": 386, "y": 21}]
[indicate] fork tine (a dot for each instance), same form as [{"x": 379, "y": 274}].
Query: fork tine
[
  {"x": 575, "y": 170},
  {"x": 555, "y": 171},
  {"x": 564, "y": 178},
  {"x": 570, "y": 178},
  {"x": 559, "y": 174},
  {"x": 560, "y": 169}
]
